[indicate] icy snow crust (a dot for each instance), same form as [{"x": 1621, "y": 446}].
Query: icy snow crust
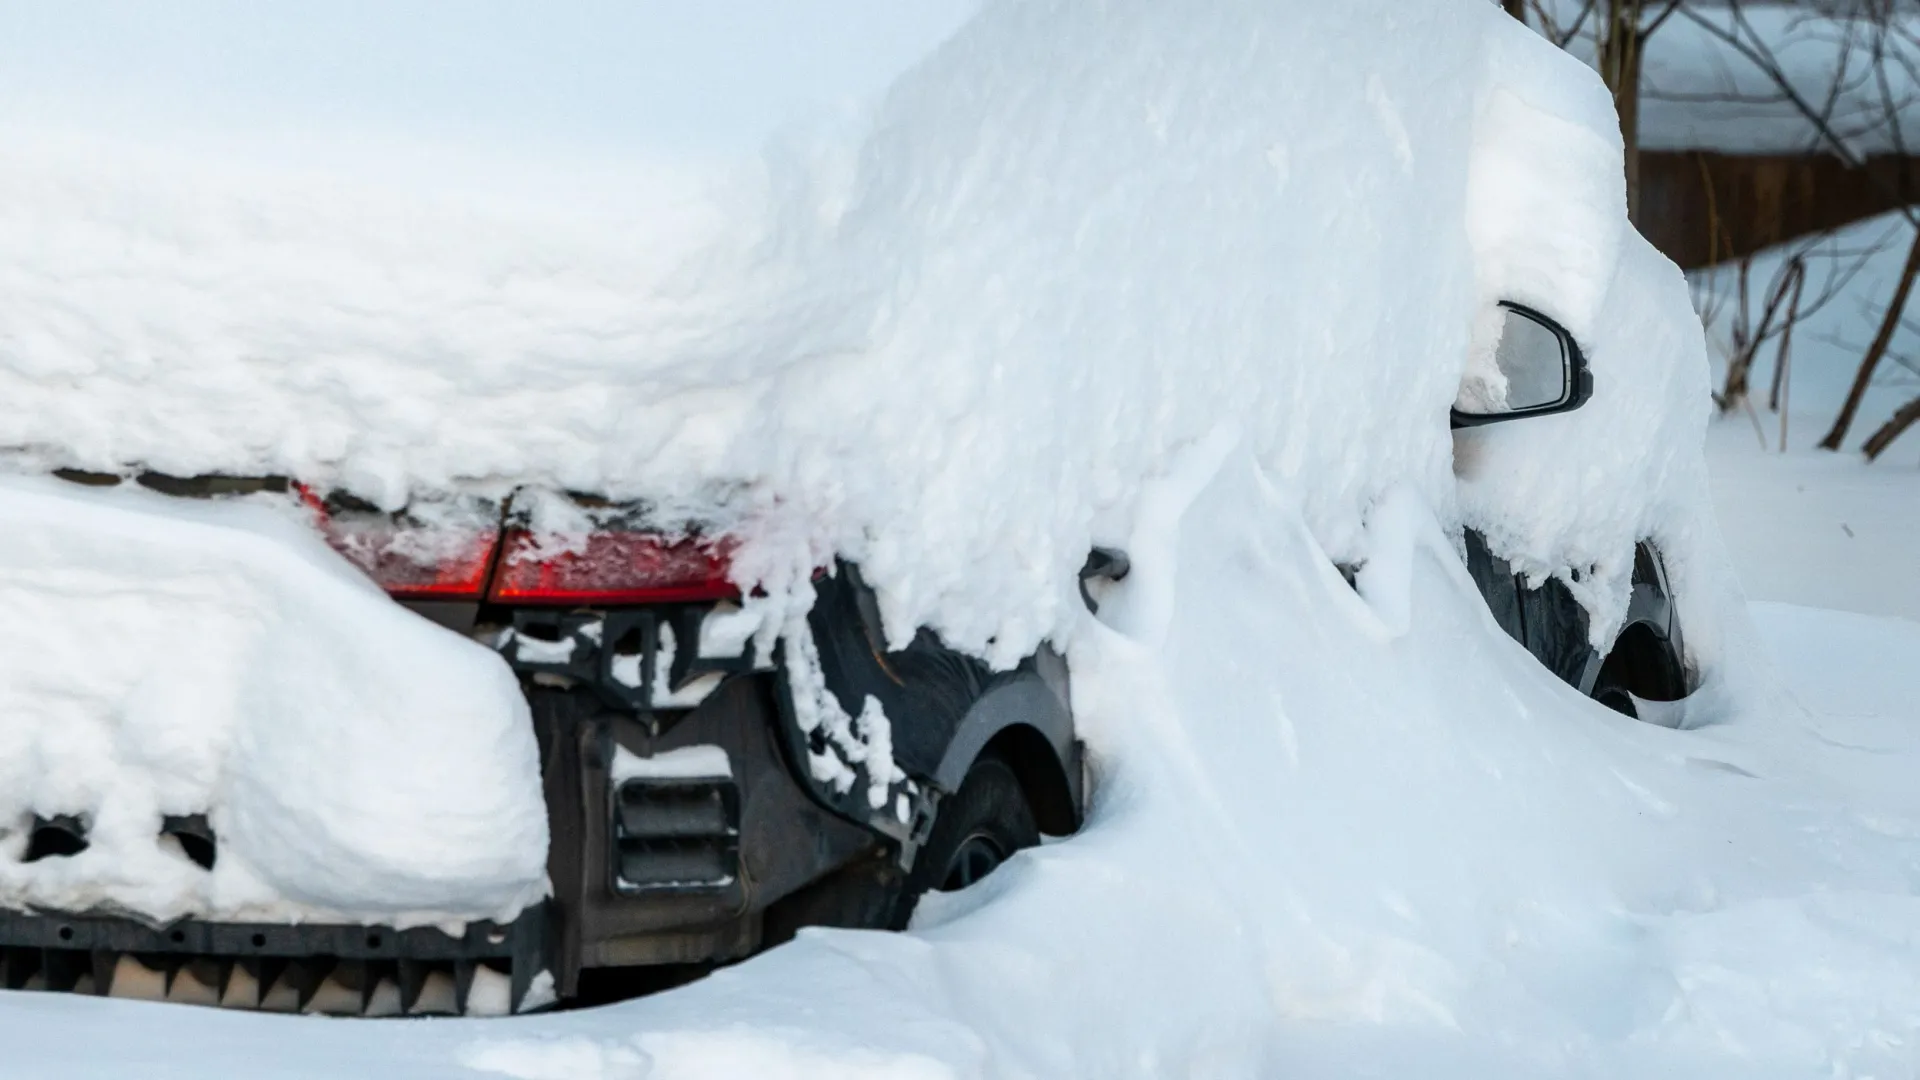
[{"x": 356, "y": 762}]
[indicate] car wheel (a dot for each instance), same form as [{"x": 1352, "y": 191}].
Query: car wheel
[
  {"x": 978, "y": 828},
  {"x": 1641, "y": 665}
]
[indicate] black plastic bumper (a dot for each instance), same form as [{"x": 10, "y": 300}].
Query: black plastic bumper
[{"x": 337, "y": 969}]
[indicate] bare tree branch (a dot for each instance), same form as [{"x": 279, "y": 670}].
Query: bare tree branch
[
  {"x": 1904, "y": 418},
  {"x": 1896, "y": 310},
  {"x": 1762, "y": 59},
  {"x": 1648, "y": 30}
]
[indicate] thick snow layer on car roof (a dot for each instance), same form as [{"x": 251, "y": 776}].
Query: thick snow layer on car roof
[
  {"x": 168, "y": 657},
  {"x": 952, "y": 356}
]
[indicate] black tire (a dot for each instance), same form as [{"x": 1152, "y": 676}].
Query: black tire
[
  {"x": 1611, "y": 690},
  {"x": 978, "y": 828},
  {"x": 1641, "y": 664}
]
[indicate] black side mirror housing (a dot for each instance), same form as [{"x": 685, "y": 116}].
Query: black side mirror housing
[{"x": 1542, "y": 371}]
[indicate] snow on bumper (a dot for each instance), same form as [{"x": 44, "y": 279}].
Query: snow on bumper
[{"x": 166, "y": 658}]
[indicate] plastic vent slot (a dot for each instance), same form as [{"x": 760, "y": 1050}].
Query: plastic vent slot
[{"x": 676, "y": 835}]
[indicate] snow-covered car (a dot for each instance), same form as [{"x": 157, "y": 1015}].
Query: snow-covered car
[
  {"x": 704, "y": 798},
  {"x": 699, "y": 804},
  {"x": 733, "y": 597}
]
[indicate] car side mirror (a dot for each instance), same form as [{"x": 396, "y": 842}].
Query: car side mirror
[{"x": 1537, "y": 370}]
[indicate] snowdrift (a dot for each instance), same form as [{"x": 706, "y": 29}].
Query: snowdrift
[
  {"x": 955, "y": 358},
  {"x": 1338, "y": 834},
  {"x": 166, "y": 657},
  {"x": 1205, "y": 291}
]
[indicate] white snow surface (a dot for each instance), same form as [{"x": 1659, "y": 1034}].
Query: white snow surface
[
  {"x": 163, "y": 656},
  {"x": 1337, "y": 835},
  {"x": 1803, "y": 525},
  {"x": 687, "y": 762},
  {"x": 1201, "y": 283},
  {"x": 952, "y": 356}
]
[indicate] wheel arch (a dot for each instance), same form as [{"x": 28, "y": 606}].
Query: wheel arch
[
  {"x": 1023, "y": 722},
  {"x": 1648, "y": 652},
  {"x": 1551, "y": 624},
  {"x": 1043, "y": 779},
  {"x": 1645, "y": 662}
]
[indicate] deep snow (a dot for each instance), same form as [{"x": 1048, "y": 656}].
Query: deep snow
[
  {"x": 1068, "y": 294},
  {"x": 1816, "y": 528},
  {"x": 1323, "y": 847},
  {"x": 174, "y": 656},
  {"x": 952, "y": 355},
  {"x": 1804, "y": 525}
]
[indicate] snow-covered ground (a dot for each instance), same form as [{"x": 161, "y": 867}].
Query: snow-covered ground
[
  {"x": 1336, "y": 832},
  {"x": 1806, "y": 526},
  {"x": 1819, "y": 529},
  {"x": 1347, "y": 846}
]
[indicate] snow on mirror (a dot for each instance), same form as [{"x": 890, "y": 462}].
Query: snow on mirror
[
  {"x": 1533, "y": 361},
  {"x": 1535, "y": 369}
]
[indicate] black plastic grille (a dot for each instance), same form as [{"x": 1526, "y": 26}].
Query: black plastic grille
[{"x": 334, "y": 970}]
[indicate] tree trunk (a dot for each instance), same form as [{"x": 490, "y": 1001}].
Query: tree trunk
[
  {"x": 1896, "y": 307},
  {"x": 1908, "y": 415},
  {"x": 1516, "y": 8},
  {"x": 1620, "y": 44},
  {"x": 1734, "y": 393},
  {"x": 1797, "y": 269},
  {"x": 1747, "y": 344}
]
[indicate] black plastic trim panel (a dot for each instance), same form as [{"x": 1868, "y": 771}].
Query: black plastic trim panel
[{"x": 481, "y": 940}]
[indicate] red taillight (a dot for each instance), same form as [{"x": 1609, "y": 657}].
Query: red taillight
[
  {"x": 410, "y": 559},
  {"x": 415, "y": 555},
  {"x": 445, "y": 568},
  {"x": 612, "y": 568}
]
